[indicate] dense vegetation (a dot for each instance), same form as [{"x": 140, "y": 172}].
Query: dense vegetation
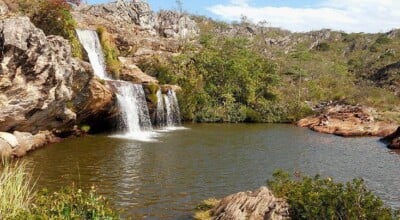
[
  {"x": 223, "y": 81},
  {"x": 246, "y": 72},
  {"x": 19, "y": 200},
  {"x": 322, "y": 198}
]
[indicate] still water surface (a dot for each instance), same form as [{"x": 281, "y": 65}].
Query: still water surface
[{"x": 166, "y": 179}]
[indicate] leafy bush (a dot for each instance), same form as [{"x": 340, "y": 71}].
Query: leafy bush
[
  {"x": 69, "y": 203},
  {"x": 203, "y": 210},
  {"x": 110, "y": 51},
  {"x": 323, "y": 46},
  {"x": 318, "y": 198},
  {"x": 223, "y": 82},
  {"x": 382, "y": 39}
]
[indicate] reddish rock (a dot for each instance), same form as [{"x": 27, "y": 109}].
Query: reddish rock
[{"x": 348, "y": 121}]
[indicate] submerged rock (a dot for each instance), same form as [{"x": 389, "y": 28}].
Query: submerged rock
[
  {"x": 260, "y": 204},
  {"x": 346, "y": 120}
]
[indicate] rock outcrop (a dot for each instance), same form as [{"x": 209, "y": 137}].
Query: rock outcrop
[
  {"x": 260, "y": 204},
  {"x": 393, "y": 140},
  {"x": 18, "y": 144},
  {"x": 139, "y": 32},
  {"x": 42, "y": 87},
  {"x": 345, "y": 120}
]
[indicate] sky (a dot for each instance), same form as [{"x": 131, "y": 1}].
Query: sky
[{"x": 369, "y": 16}]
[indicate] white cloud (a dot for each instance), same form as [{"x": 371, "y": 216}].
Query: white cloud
[{"x": 347, "y": 15}]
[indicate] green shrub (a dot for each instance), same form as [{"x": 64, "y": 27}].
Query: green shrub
[
  {"x": 382, "y": 39},
  {"x": 318, "y": 198},
  {"x": 85, "y": 128},
  {"x": 203, "y": 210},
  {"x": 110, "y": 51},
  {"x": 323, "y": 46},
  {"x": 54, "y": 18},
  {"x": 70, "y": 203}
]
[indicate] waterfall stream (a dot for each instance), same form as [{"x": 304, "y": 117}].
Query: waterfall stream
[
  {"x": 173, "y": 115},
  {"x": 90, "y": 41},
  {"x": 135, "y": 119},
  {"x": 160, "y": 117}
]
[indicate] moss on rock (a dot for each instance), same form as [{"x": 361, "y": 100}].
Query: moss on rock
[{"x": 110, "y": 51}]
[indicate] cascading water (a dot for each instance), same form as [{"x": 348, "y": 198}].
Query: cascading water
[
  {"x": 173, "y": 116},
  {"x": 160, "y": 117},
  {"x": 131, "y": 98},
  {"x": 135, "y": 119},
  {"x": 90, "y": 41}
]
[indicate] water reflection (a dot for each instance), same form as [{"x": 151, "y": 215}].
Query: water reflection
[{"x": 166, "y": 179}]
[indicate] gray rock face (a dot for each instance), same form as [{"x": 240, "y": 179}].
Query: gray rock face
[
  {"x": 172, "y": 24},
  {"x": 257, "y": 205},
  {"x": 3, "y": 8},
  {"x": 38, "y": 79},
  {"x": 35, "y": 78},
  {"x": 122, "y": 13}
]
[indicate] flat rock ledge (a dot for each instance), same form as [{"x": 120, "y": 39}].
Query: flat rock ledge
[
  {"x": 348, "y": 121},
  {"x": 260, "y": 204},
  {"x": 17, "y": 144}
]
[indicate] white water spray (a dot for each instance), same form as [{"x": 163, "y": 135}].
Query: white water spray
[
  {"x": 135, "y": 120},
  {"x": 90, "y": 41}
]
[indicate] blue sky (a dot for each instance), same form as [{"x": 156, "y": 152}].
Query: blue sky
[{"x": 298, "y": 15}]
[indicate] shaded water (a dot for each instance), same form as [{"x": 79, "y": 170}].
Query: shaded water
[{"x": 166, "y": 179}]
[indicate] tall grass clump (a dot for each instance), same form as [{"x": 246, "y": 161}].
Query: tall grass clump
[
  {"x": 110, "y": 51},
  {"x": 16, "y": 189}
]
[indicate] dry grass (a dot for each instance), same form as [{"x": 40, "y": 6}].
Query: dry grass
[{"x": 16, "y": 189}]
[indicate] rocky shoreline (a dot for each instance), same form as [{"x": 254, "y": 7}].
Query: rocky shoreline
[{"x": 348, "y": 121}]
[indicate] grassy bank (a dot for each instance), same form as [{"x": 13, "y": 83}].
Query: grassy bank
[{"x": 19, "y": 200}]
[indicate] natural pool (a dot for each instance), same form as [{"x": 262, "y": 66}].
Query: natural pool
[{"x": 167, "y": 178}]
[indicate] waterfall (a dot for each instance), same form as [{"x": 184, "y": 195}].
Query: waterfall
[
  {"x": 176, "y": 110},
  {"x": 173, "y": 115},
  {"x": 90, "y": 41},
  {"x": 135, "y": 115},
  {"x": 160, "y": 117},
  {"x": 135, "y": 119}
]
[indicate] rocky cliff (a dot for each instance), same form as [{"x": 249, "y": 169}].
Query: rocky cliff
[
  {"x": 42, "y": 87},
  {"x": 139, "y": 32}
]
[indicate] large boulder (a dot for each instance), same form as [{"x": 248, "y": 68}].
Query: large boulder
[
  {"x": 260, "y": 204},
  {"x": 132, "y": 73},
  {"x": 42, "y": 87}
]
